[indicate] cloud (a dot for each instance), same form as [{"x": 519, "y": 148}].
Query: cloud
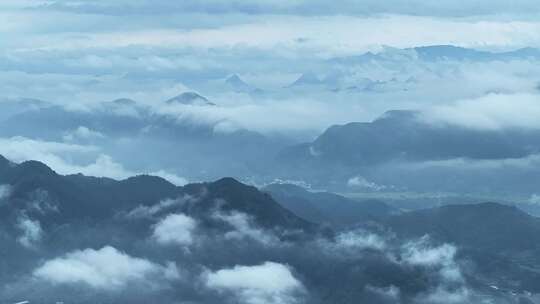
[
  {"x": 173, "y": 178},
  {"x": 436, "y": 261},
  {"x": 82, "y": 64},
  {"x": 40, "y": 201},
  {"x": 523, "y": 163},
  {"x": 20, "y": 149},
  {"x": 31, "y": 231},
  {"x": 5, "y": 192},
  {"x": 417, "y": 253},
  {"x": 359, "y": 240},
  {"x": 244, "y": 227},
  {"x": 121, "y": 7},
  {"x": 442, "y": 257},
  {"x": 305, "y": 111},
  {"x": 352, "y": 244},
  {"x": 164, "y": 205},
  {"x": 493, "y": 112},
  {"x": 362, "y": 182},
  {"x": 268, "y": 283},
  {"x": 82, "y": 133},
  {"x": 104, "y": 269},
  {"x": 391, "y": 293},
  {"x": 445, "y": 296},
  {"x": 175, "y": 229},
  {"x": 61, "y": 84},
  {"x": 104, "y": 166},
  {"x": 534, "y": 199},
  {"x": 293, "y": 116},
  {"x": 297, "y": 7},
  {"x": 322, "y": 36},
  {"x": 10, "y": 4},
  {"x": 56, "y": 155}
]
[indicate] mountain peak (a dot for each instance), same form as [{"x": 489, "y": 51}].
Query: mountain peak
[
  {"x": 228, "y": 182},
  {"x": 145, "y": 179},
  {"x": 398, "y": 115},
  {"x": 4, "y": 162},
  {"x": 33, "y": 167},
  {"x": 234, "y": 78},
  {"x": 308, "y": 78},
  {"x": 190, "y": 98},
  {"x": 124, "y": 102},
  {"x": 239, "y": 85}
]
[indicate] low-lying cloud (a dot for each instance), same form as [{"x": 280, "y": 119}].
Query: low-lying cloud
[
  {"x": 422, "y": 253},
  {"x": 492, "y": 112},
  {"x": 82, "y": 133},
  {"x": 244, "y": 227},
  {"x": 267, "y": 283},
  {"x": 31, "y": 231},
  {"x": 61, "y": 156},
  {"x": 104, "y": 269},
  {"x": 143, "y": 211},
  {"x": 5, "y": 192},
  {"x": 175, "y": 229}
]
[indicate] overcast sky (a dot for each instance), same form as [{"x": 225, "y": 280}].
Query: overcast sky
[{"x": 80, "y": 51}]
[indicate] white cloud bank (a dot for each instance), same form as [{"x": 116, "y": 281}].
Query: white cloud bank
[
  {"x": 172, "y": 178},
  {"x": 297, "y": 7},
  {"x": 359, "y": 240},
  {"x": 492, "y": 111},
  {"x": 441, "y": 258},
  {"x": 175, "y": 229},
  {"x": 104, "y": 269},
  {"x": 268, "y": 283},
  {"x": 53, "y": 154},
  {"x": 321, "y": 36},
  {"x": 82, "y": 133},
  {"x": 362, "y": 182},
  {"x": 56, "y": 155}
]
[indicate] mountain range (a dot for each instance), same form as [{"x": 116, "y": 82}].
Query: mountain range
[
  {"x": 190, "y": 143},
  {"x": 403, "y": 150},
  {"x": 45, "y": 215}
]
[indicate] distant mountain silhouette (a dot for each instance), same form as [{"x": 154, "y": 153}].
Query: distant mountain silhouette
[
  {"x": 12, "y": 107},
  {"x": 503, "y": 241},
  {"x": 124, "y": 102},
  {"x": 488, "y": 226},
  {"x": 326, "y": 207},
  {"x": 306, "y": 79},
  {"x": 438, "y": 53},
  {"x": 190, "y": 98},
  {"x": 4, "y": 163},
  {"x": 79, "y": 197},
  {"x": 197, "y": 141},
  {"x": 240, "y": 86},
  {"x": 497, "y": 244},
  {"x": 402, "y": 135},
  {"x": 450, "y": 52}
]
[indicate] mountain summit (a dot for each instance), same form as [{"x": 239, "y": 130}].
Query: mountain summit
[
  {"x": 240, "y": 86},
  {"x": 190, "y": 98},
  {"x": 307, "y": 79}
]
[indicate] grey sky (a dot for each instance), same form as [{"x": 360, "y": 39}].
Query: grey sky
[{"x": 89, "y": 51}]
